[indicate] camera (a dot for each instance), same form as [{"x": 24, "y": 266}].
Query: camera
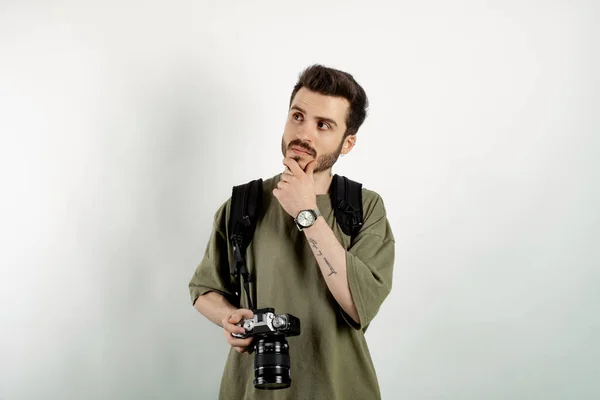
[{"x": 272, "y": 357}]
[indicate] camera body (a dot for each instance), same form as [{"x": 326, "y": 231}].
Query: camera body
[
  {"x": 266, "y": 322},
  {"x": 272, "y": 356}
]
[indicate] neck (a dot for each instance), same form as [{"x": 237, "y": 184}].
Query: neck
[{"x": 323, "y": 181}]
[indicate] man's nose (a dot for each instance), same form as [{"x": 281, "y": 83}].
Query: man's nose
[{"x": 306, "y": 133}]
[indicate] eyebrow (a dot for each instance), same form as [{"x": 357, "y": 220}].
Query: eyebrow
[{"x": 331, "y": 121}]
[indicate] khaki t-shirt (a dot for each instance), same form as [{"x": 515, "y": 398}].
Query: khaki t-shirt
[{"x": 330, "y": 359}]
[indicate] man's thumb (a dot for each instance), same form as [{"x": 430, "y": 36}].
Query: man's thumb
[{"x": 239, "y": 315}]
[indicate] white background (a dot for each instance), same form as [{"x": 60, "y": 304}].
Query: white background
[{"x": 124, "y": 125}]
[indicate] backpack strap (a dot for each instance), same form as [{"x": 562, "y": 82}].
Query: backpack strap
[
  {"x": 346, "y": 201},
  {"x": 245, "y": 200}
]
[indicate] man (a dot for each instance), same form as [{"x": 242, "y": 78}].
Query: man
[{"x": 333, "y": 284}]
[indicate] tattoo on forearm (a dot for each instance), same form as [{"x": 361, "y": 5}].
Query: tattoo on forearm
[
  {"x": 313, "y": 243},
  {"x": 330, "y": 268}
]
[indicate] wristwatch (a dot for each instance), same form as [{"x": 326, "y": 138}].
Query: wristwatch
[{"x": 306, "y": 218}]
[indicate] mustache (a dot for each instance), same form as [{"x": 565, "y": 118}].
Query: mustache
[{"x": 303, "y": 146}]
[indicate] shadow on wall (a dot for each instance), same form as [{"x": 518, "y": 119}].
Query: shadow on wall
[{"x": 160, "y": 191}]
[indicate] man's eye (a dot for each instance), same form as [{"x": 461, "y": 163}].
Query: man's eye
[
  {"x": 323, "y": 125},
  {"x": 297, "y": 117}
]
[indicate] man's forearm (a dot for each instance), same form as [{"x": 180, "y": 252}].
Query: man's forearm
[
  {"x": 331, "y": 257},
  {"x": 214, "y": 306}
]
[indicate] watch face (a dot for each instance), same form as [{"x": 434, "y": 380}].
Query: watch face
[{"x": 306, "y": 218}]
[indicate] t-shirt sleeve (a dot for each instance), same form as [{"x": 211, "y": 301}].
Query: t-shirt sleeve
[
  {"x": 370, "y": 262},
  {"x": 213, "y": 272}
]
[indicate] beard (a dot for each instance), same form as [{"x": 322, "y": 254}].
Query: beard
[{"x": 324, "y": 162}]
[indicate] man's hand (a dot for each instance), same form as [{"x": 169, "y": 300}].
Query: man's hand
[
  {"x": 229, "y": 327},
  {"x": 296, "y": 190}
]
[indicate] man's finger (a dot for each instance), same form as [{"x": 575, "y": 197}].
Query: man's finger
[
  {"x": 281, "y": 185},
  {"x": 235, "y": 342},
  {"x": 233, "y": 328},
  {"x": 293, "y": 166},
  {"x": 310, "y": 167},
  {"x": 286, "y": 178},
  {"x": 240, "y": 314}
]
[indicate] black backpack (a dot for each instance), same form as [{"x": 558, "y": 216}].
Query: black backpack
[{"x": 346, "y": 201}]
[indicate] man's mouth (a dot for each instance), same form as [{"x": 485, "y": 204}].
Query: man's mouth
[{"x": 298, "y": 150}]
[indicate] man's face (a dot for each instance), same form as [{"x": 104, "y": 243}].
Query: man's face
[{"x": 314, "y": 130}]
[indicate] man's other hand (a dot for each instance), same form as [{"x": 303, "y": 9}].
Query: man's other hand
[{"x": 229, "y": 327}]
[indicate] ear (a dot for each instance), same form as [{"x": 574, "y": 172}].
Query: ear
[{"x": 349, "y": 142}]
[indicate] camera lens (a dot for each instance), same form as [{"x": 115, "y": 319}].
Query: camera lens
[{"x": 272, "y": 362}]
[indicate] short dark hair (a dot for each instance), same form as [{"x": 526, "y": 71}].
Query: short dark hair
[{"x": 333, "y": 82}]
